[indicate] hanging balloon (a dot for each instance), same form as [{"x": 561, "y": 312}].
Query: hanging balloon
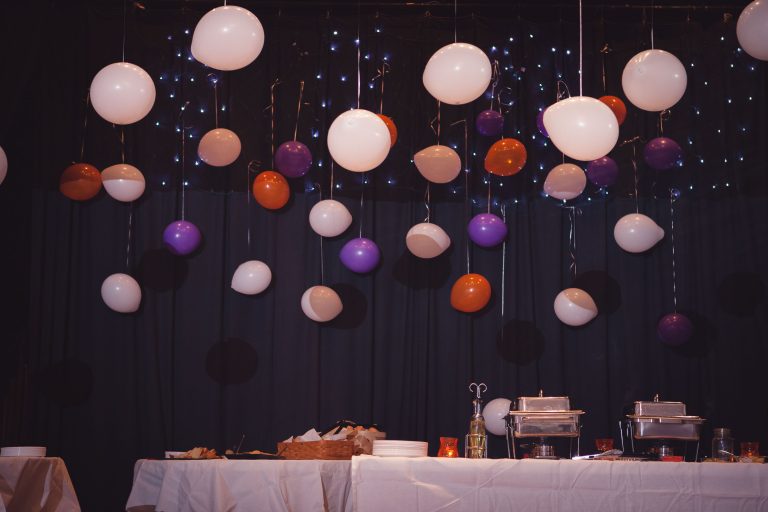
[
  {"x": 271, "y": 190},
  {"x": 637, "y": 233},
  {"x": 360, "y": 255},
  {"x": 359, "y": 140},
  {"x": 293, "y": 159},
  {"x": 251, "y": 277},
  {"x": 438, "y": 164},
  {"x": 540, "y": 124},
  {"x": 506, "y": 157},
  {"x": 80, "y": 182},
  {"x": 617, "y": 107},
  {"x": 457, "y": 74},
  {"x": 582, "y": 127},
  {"x": 391, "y": 127},
  {"x": 674, "y": 329},
  {"x": 663, "y": 153},
  {"x": 219, "y": 147},
  {"x": 3, "y": 165},
  {"x": 490, "y": 123},
  {"x": 321, "y": 304},
  {"x": 575, "y": 307},
  {"x": 565, "y": 181},
  {"x": 123, "y": 182},
  {"x": 495, "y": 413},
  {"x": 181, "y": 237},
  {"x": 122, "y": 93},
  {"x": 654, "y": 80},
  {"x": 121, "y": 293},
  {"x": 487, "y": 229},
  {"x": 427, "y": 240},
  {"x": 227, "y": 38},
  {"x": 329, "y": 218},
  {"x": 603, "y": 172},
  {"x": 470, "y": 293},
  {"x": 752, "y": 29}
]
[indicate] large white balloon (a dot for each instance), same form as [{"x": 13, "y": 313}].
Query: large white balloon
[
  {"x": 438, "y": 164},
  {"x": 654, "y": 80},
  {"x": 427, "y": 240},
  {"x": 123, "y": 182},
  {"x": 575, "y": 307},
  {"x": 565, "y": 182},
  {"x": 637, "y": 233},
  {"x": 3, "y": 165},
  {"x": 121, "y": 293},
  {"x": 752, "y": 29},
  {"x": 358, "y": 140},
  {"x": 329, "y": 218},
  {"x": 251, "y": 277},
  {"x": 457, "y": 74},
  {"x": 494, "y": 413},
  {"x": 581, "y": 127},
  {"x": 219, "y": 147},
  {"x": 122, "y": 93},
  {"x": 321, "y": 304},
  {"x": 227, "y": 38}
]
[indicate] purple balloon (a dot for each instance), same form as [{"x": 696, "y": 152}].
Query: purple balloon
[
  {"x": 490, "y": 123},
  {"x": 360, "y": 255},
  {"x": 674, "y": 329},
  {"x": 181, "y": 237},
  {"x": 293, "y": 159},
  {"x": 662, "y": 153},
  {"x": 540, "y": 123},
  {"x": 487, "y": 229},
  {"x": 603, "y": 171}
]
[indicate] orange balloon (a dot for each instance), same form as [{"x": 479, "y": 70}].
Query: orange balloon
[
  {"x": 506, "y": 157},
  {"x": 470, "y": 293},
  {"x": 80, "y": 182},
  {"x": 391, "y": 127},
  {"x": 271, "y": 190},
  {"x": 618, "y": 107}
]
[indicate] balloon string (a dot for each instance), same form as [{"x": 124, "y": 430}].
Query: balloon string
[
  {"x": 581, "y": 48},
  {"x": 426, "y": 203},
  {"x": 358, "y": 54},
  {"x": 489, "y": 193},
  {"x": 122, "y": 143},
  {"x": 438, "y": 122},
  {"x": 558, "y": 93},
  {"x": 216, "y": 102},
  {"x": 124, "y": 30},
  {"x": 455, "y": 21},
  {"x": 672, "y": 200},
  {"x": 322, "y": 263},
  {"x": 652, "y": 19},
  {"x": 272, "y": 117},
  {"x": 298, "y": 109},
  {"x": 572, "y": 239},
  {"x": 128, "y": 245},
  {"x": 503, "y": 261},
  {"x": 362, "y": 199},
  {"x": 604, "y": 51},
  {"x": 380, "y": 76},
  {"x": 331, "y": 192},
  {"x": 85, "y": 125},
  {"x": 183, "y": 156},
  {"x": 634, "y": 170},
  {"x": 495, "y": 83}
]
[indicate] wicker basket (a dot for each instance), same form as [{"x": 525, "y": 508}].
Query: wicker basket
[{"x": 323, "y": 450}]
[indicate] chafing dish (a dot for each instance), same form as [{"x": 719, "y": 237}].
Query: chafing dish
[
  {"x": 545, "y": 416},
  {"x": 664, "y": 420}
]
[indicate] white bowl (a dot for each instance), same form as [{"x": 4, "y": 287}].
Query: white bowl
[{"x": 22, "y": 451}]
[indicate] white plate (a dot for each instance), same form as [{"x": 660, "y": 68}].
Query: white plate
[{"x": 22, "y": 451}]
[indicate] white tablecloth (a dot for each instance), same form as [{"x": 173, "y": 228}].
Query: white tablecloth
[
  {"x": 430, "y": 484},
  {"x": 239, "y": 485},
  {"x": 36, "y": 484}
]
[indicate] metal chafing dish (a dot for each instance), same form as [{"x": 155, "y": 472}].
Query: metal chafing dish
[
  {"x": 664, "y": 420},
  {"x": 543, "y": 416}
]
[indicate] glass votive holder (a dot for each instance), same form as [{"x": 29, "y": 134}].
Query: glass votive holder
[
  {"x": 750, "y": 449},
  {"x": 449, "y": 447},
  {"x": 603, "y": 445}
]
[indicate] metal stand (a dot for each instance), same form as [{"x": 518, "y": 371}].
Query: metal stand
[{"x": 626, "y": 431}]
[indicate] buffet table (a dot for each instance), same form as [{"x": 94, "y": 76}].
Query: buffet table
[
  {"x": 239, "y": 485},
  {"x": 33, "y": 484}
]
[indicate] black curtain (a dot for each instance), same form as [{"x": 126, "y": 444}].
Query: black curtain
[{"x": 200, "y": 365}]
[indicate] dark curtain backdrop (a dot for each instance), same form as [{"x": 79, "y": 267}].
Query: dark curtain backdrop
[{"x": 200, "y": 365}]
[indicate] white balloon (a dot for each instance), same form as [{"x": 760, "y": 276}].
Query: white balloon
[
  {"x": 654, "y": 80},
  {"x": 251, "y": 277},
  {"x": 329, "y": 218},
  {"x": 3, "y": 165},
  {"x": 427, "y": 240},
  {"x": 575, "y": 307},
  {"x": 123, "y": 182},
  {"x": 321, "y": 304},
  {"x": 438, "y": 164},
  {"x": 121, "y": 293},
  {"x": 565, "y": 182},
  {"x": 228, "y": 38},
  {"x": 457, "y": 74},
  {"x": 637, "y": 233},
  {"x": 122, "y": 93},
  {"x": 582, "y": 127},
  {"x": 219, "y": 147},
  {"x": 358, "y": 140},
  {"x": 752, "y": 29},
  {"x": 494, "y": 413}
]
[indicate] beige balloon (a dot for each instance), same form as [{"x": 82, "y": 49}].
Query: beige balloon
[
  {"x": 565, "y": 182},
  {"x": 575, "y": 307},
  {"x": 123, "y": 182},
  {"x": 219, "y": 147},
  {"x": 438, "y": 164},
  {"x": 427, "y": 240},
  {"x": 321, "y": 304}
]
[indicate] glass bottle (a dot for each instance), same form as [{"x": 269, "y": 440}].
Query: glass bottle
[
  {"x": 475, "y": 444},
  {"x": 722, "y": 445}
]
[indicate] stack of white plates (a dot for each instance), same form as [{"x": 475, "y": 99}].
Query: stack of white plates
[
  {"x": 22, "y": 451},
  {"x": 391, "y": 448}
]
